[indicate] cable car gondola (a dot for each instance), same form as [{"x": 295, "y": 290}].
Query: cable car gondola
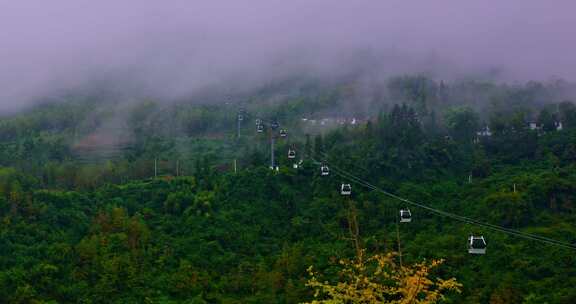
[
  {"x": 324, "y": 170},
  {"x": 291, "y": 153},
  {"x": 274, "y": 124},
  {"x": 298, "y": 164},
  {"x": 476, "y": 245},
  {"x": 405, "y": 216},
  {"x": 260, "y": 128},
  {"x": 258, "y": 121},
  {"x": 346, "y": 189},
  {"x": 283, "y": 133}
]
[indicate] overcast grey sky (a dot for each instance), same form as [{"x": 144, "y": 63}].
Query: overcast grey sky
[{"x": 187, "y": 44}]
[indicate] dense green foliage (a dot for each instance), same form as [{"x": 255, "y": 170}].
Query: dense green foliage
[{"x": 109, "y": 232}]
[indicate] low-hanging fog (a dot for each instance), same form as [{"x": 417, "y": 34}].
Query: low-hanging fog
[{"x": 173, "y": 48}]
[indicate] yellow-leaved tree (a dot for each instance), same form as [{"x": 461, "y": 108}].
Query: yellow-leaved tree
[{"x": 379, "y": 279}]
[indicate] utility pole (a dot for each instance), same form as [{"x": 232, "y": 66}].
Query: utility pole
[
  {"x": 155, "y": 167},
  {"x": 273, "y": 127},
  {"x": 239, "y": 119},
  {"x": 399, "y": 248},
  {"x": 235, "y": 166},
  {"x": 272, "y": 151},
  {"x": 238, "y": 126}
]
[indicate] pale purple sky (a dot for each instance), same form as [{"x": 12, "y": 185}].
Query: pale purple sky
[{"x": 186, "y": 44}]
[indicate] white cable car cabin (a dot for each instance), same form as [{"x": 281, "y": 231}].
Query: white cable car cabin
[
  {"x": 291, "y": 154},
  {"x": 324, "y": 170},
  {"x": 240, "y": 117},
  {"x": 283, "y": 133},
  {"x": 298, "y": 164},
  {"x": 260, "y": 128},
  {"x": 476, "y": 245},
  {"x": 405, "y": 216},
  {"x": 346, "y": 189}
]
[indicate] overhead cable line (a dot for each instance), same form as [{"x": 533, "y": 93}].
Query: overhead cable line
[{"x": 453, "y": 216}]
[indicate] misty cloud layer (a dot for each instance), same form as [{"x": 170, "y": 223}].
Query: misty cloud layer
[{"x": 173, "y": 48}]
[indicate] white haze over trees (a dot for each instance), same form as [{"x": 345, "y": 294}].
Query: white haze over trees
[{"x": 171, "y": 49}]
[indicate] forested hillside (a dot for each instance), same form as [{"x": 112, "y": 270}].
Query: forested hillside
[{"x": 146, "y": 201}]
